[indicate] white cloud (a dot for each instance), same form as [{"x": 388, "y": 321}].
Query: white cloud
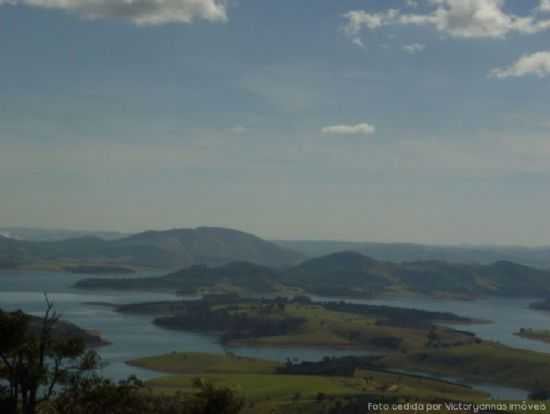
[
  {"x": 534, "y": 64},
  {"x": 456, "y": 18},
  {"x": 140, "y": 12},
  {"x": 358, "y": 129},
  {"x": 544, "y": 6},
  {"x": 414, "y": 48}
]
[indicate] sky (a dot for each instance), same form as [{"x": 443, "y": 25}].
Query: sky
[{"x": 396, "y": 120}]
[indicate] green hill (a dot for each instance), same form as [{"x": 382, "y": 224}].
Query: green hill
[
  {"x": 238, "y": 277},
  {"x": 352, "y": 274},
  {"x": 348, "y": 274}
]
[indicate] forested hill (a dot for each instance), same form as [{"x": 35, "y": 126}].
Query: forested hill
[
  {"x": 161, "y": 249},
  {"x": 400, "y": 252},
  {"x": 353, "y": 274},
  {"x": 349, "y": 274}
]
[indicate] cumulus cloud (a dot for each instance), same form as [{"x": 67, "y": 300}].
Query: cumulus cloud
[
  {"x": 534, "y": 64},
  {"x": 455, "y": 18},
  {"x": 414, "y": 48},
  {"x": 357, "y": 129},
  {"x": 140, "y": 12}
]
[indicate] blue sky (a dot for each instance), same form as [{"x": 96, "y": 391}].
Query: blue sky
[{"x": 424, "y": 121}]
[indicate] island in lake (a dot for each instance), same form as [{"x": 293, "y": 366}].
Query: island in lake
[
  {"x": 535, "y": 334},
  {"x": 396, "y": 338}
]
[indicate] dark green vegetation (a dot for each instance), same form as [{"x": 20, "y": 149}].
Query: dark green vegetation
[
  {"x": 163, "y": 249},
  {"x": 42, "y": 371},
  {"x": 401, "y": 252},
  {"x": 35, "y": 359},
  {"x": 277, "y": 388},
  {"x": 352, "y": 274},
  {"x": 349, "y": 274},
  {"x": 95, "y": 395},
  {"x": 282, "y": 322},
  {"x": 64, "y": 329},
  {"x": 61, "y": 329},
  {"x": 535, "y": 334},
  {"x": 543, "y": 305},
  {"x": 238, "y": 277}
]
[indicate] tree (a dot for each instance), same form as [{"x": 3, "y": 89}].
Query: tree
[
  {"x": 34, "y": 361},
  {"x": 433, "y": 337},
  {"x": 49, "y": 374},
  {"x": 96, "y": 395},
  {"x": 212, "y": 400}
]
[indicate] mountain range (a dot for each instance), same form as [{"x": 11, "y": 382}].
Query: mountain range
[
  {"x": 158, "y": 249},
  {"x": 393, "y": 252},
  {"x": 401, "y": 252},
  {"x": 349, "y": 274}
]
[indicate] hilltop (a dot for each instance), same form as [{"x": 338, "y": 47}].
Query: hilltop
[
  {"x": 353, "y": 274},
  {"x": 236, "y": 277},
  {"x": 407, "y": 252},
  {"x": 349, "y": 274},
  {"x": 159, "y": 249}
]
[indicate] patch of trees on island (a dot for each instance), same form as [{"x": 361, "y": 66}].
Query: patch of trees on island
[{"x": 230, "y": 321}]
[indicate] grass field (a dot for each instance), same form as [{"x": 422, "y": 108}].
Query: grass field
[
  {"x": 327, "y": 328},
  {"x": 266, "y": 391},
  {"x": 486, "y": 362},
  {"x": 201, "y": 363}
]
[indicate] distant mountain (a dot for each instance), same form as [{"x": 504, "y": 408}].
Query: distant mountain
[
  {"x": 37, "y": 234},
  {"x": 350, "y": 274},
  {"x": 162, "y": 249},
  {"x": 399, "y": 252}
]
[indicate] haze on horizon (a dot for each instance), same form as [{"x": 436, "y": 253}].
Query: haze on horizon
[{"x": 403, "y": 120}]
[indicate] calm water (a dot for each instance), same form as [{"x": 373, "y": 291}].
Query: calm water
[
  {"x": 134, "y": 336},
  {"x": 131, "y": 336}
]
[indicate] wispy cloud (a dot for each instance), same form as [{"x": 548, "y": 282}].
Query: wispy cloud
[
  {"x": 140, "y": 12},
  {"x": 414, "y": 48},
  {"x": 357, "y": 129},
  {"x": 537, "y": 64},
  {"x": 455, "y": 18}
]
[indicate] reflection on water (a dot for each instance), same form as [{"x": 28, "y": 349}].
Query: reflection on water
[{"x": 133, "y": 336}]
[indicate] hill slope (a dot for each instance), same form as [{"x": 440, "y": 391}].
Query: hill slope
[
  {"x": 399, "y": 252},
  {"x": 164, "y": 249},
  {"x": 238, "y": 277},
  {"x": 350, "y": 274}
]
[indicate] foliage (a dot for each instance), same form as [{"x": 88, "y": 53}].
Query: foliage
[
  {"x": 96, "y": 395},
  {"x": 47, "y": 373},
  {"x": 35, "y": 363}
]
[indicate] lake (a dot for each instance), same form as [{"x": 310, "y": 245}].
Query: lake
[{"x": 134, "y": 336}]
